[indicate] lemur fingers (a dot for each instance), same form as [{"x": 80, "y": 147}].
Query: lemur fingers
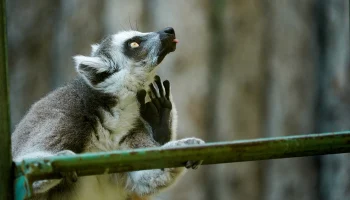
[
  {"x": 157, "y": 112},
  {"x": 158, "y": 95},
  {"x": 161, "y": 88},
  {"x": 185, "y": 142},
  {"x": 154, "y": 97},
  {"x": 159, "y": 85},
  {"x": 166, "y": 84},
  {"x": 193, "y": 164}
]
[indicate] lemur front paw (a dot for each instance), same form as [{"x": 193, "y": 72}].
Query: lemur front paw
[
  {"x": 157, "y": 112},
  {"x": 72, "y": 176},
  {"x": 184, "y": 142},
  {"x": 42, "y": 186}
]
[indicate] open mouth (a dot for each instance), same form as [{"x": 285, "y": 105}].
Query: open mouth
[{"x": 168, "y": 42}]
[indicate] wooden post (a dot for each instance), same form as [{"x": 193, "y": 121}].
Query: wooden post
[{"x": 6, "y": 182}]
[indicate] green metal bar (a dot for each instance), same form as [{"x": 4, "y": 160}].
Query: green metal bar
[
  {"x": 212, "y": 153},
  {"x": 6, "y": 179}
]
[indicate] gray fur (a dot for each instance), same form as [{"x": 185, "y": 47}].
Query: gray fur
[{"x": 98, "y": 112}]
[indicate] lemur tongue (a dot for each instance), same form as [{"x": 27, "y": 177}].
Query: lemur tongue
[{"x": 176, "y": 41}]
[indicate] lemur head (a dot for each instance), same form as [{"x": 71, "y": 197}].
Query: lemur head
[{"x": 126, "y": 60}]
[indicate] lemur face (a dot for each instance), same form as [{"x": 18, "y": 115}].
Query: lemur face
[{"x": 127, "y": 59}]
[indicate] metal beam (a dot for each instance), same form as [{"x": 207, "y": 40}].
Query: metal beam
[
  {"x": 152, "y": 158},
  {"x": 6, "y": 181}
]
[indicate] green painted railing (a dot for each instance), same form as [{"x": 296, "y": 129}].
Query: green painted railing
[
  {"x": 152, "y": 158},
  {"x": 5, "y": 149}
]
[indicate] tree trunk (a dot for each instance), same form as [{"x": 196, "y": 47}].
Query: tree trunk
[
  {"x": 292, "y": 94},
  {"x": 30, "y": 39},
  {"x": 335, "y": 95},
  {"x": 240, "y": 100}
]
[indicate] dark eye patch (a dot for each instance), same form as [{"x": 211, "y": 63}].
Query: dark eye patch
[
  {"x": 137, "y": 54},
  {"x": 137, "y": 39}
]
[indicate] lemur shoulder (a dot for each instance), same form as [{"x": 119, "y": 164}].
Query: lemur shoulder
[{"x": 117, "y": 102}]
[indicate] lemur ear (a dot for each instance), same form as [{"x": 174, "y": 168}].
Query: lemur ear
[
  {"x": 91, "y": 68},
  {"x": 96, "y": 63},
  {"x": 94, "y": 48}
]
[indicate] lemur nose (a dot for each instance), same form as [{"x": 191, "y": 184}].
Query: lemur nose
[{"x": 169, "y": 30}]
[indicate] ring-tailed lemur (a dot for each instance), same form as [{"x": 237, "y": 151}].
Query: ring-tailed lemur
[{"x": 104, "y": 109}]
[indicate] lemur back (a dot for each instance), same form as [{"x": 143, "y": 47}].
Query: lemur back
[{"x": 117, "y": 102}]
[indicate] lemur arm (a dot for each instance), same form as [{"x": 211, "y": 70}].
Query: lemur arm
[
  {"x": 156, "y": 115},
  {"x": 147, "y": 182}
]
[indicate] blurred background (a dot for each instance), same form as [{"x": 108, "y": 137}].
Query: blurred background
[{"x": 243, "y": 69}]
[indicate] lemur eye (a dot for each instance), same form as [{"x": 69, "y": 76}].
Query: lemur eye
[{"x": 134, "y": 45}]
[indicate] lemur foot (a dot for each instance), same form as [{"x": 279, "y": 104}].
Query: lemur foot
[
  {"x": 157, "y": 112},
  {"x": 193, "y": 164},
  {"x": 42, "y": 186},
  {"x": 185, "y": 142},
  {"x": 72, "y": 176}
]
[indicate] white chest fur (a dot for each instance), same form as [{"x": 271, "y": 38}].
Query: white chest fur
[
  {"x": 123, "y": 116},
  {"x": 115, "y": 124}
]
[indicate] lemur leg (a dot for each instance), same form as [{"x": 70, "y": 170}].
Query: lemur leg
[
  {"x": 45, "y": 185},
  {"x": 148, "y": 182}
]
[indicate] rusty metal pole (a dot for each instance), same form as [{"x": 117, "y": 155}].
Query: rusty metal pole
[{"x": 6, "y": 182}]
